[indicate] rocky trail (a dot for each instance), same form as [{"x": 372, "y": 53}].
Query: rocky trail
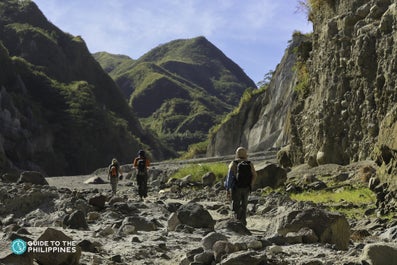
[{"x": 183, "y": 224}]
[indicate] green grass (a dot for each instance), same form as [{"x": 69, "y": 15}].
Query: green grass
[
  {"x": 198, "y": 170},
  {"x": 360, "y": 197}
]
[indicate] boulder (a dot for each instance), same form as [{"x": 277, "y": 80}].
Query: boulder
[
  {"x": 195, "y": 215},
  {"x": 76, "y": 220},
  {"x": 72, "y": 257},
  {"x": 32, "y": 177},
  {"x": 140, "y": 223},
  {"x": 9, "y": 178},
  {"x": 221, "y": 248},
  {"x": 208, "y": 179},
  {"x": 269, "y": 175},
  {"x": 284, "y": 157},
  {"x": 380, "y": 254},
  {"x": 209, "y": 240},
  {"x": 232, "y": 225},
  {"x": 12, "y": 259},
  {"x": 329, "y": 227},
  {"x": 98, "y": 201},
  {"x": 173, "y": 222}
]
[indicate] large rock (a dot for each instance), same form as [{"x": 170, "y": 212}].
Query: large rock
[
  {"x": 330, "y": 227},
  {"x": 33, "y": 177},
  {"x": 98, "y": 201},
  {"x": 76, "y": 220},
  {"x": 194, "y": 215},
  {"x": 58, "y": 258},
  {"x": 380, "y": 254},
  {"x": 140, "y": 223},
  {"x": 12, "y": 259},
  {"x": 269, "y": 175}
]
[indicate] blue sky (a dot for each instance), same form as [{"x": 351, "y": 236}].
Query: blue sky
[{"x": 253, "y": 33}]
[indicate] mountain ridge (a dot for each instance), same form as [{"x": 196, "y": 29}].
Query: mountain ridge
[
  {"x": 61, "y": 113},
  {"x": 203, "y": 79}
]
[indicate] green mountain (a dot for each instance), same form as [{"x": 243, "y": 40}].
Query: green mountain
[
  {"x": 60, "y": 112},
  {"x": 180, "y": 89}
]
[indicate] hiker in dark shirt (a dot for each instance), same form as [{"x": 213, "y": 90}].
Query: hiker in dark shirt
[
  {"x": 141, "y": 164},
  {"x": 239, "y": 183},
  {"x": 114, "y": 172}
]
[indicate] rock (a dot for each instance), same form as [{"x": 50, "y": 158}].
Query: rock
[
  {"x": 12, "y": 259},
  {"x": 221, "y": 248},
  {"x": 209, "y": 240},
  {"x": 208, "y": 179},
  {"x": 95, "y": 180},
  {"x": 205, "y": 257},
  {"x": 239, "y": 258},
  {"x": 106, "y": 231},
  {"x": 380, "y": 254},
  {"x": 329, "y": 227},
  {"x": 232, "y": 225},
  {"x": 32, "y": 177},
  {"x": 115, "y": 199},
  {"x": 340, "y": 177},
  {"x": 173, "y": 222},
  {"x": 390, "y": 234},
  {"x": 140, "y": 223},
  {"x": 255, "y": 244},
  {"x": 58, "y": 258},
  {"x": 98, "y": 201},
  {"x": 284, "y": 157},
  {"x": 88, "y": 246},
  {"x": 76, "y": 220},
  {"x": 321, "y": 158},
  {"x": 195, "y": 215},
  {"x": 9, "y": 177},
  {"x": 269, "y": 175},
  {"x": 93, "y": 216}
]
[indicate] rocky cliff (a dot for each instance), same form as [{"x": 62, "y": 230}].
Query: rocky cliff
[
  {"x": 346, "y": 91},
  {"x": 352, "y": 80},
  {"x": 262, "y": 122}
]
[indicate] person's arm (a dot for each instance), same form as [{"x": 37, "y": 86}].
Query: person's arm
[{"x": 147, "y": 163}]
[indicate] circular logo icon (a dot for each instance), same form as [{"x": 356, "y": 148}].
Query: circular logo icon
[{"x": 18, "y": 246}]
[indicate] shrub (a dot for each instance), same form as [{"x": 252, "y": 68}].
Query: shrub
[{"x": 198, "y": 170}]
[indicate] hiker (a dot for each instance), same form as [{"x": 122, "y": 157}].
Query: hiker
[
  {"x": 114, "y": 173},
  {"x": 239, "y": 183},
  {"x": 141, "y": 164}
]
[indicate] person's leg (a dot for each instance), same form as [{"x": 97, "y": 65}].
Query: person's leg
[
  {"x": 243, "y": 206},
  {"x": 236, "y": 203},
  {"x": 113, "y": 183},
  {"x": 139, "y": 180},
  {"x": 144, "y": 189}
]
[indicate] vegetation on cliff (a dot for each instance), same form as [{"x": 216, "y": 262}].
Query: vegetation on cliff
[
  {"x": 59, "y": 111},
  {"x": 180, "y": 89}
]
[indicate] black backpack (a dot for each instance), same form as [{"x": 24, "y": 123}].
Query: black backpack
[
  {"x": 141, "y": 164},
  {"x": 243, "y": 174}
]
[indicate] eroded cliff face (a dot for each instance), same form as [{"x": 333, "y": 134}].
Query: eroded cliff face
[
  {"x": 345, "y": 110},
  {"x": 263, "y": 121},
  {"x": 353, "y": 69}
]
